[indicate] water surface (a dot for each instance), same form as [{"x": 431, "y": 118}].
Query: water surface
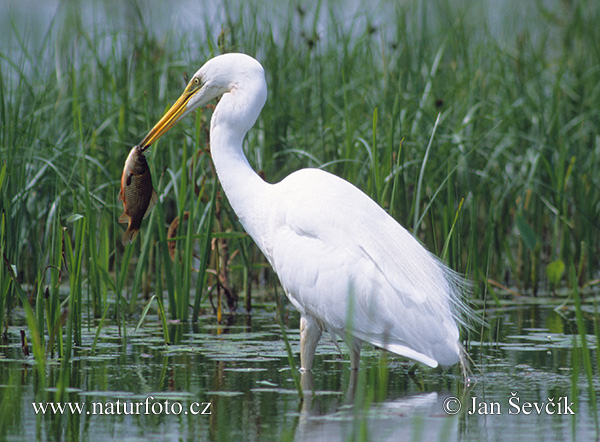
[{"x": 234, "y": 382}]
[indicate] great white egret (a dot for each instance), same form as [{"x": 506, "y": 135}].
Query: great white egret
[{"x": 344, "y": 263}]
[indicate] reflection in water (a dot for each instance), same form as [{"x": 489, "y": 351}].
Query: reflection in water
[{"x": 414, "y": 416}]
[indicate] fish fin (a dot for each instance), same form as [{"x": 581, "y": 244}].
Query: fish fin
[
  {"x": 129, "y": 236},
  {"x": 153, "y": 200},
  {"x": 123, "y": 219}
]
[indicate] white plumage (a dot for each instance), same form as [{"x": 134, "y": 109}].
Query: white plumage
[{"x": 344, "y": 263}]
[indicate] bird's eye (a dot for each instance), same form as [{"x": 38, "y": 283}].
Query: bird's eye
[{"x": 196, "y": 81}]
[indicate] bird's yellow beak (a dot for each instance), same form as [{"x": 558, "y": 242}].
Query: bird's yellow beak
[{"x": 172, "y": 116}]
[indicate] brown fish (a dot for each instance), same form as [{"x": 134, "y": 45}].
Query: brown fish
[{"x": 137, "y": 193}]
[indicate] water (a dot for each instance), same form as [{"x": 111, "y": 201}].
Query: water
[{"x": 234, "y": 382}]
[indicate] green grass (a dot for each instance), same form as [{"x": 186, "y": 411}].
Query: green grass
[{"x": 483, "y": 142}]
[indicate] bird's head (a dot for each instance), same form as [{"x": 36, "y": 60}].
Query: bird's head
[{"x": 219, "y": 75}]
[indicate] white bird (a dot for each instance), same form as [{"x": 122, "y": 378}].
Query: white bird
[{"x": 344, "y": 263}]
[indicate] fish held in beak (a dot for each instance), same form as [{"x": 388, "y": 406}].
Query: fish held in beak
[{"x": 137, "y": 193}]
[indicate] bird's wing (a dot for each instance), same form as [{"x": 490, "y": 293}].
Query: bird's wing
[{"x": 343, "y": 260}]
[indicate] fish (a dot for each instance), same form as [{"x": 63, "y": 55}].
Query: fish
[{"x": 137, "y": 193}]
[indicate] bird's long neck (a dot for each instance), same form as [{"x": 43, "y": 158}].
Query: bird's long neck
[{"x": 245, "y": 190}]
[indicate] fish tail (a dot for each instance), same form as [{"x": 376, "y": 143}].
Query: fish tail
[{"x": 129, "y": 235}]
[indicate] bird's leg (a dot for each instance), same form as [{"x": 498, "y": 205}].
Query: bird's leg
[
  {"x": 306, "y": 382},
  {"x": 351, "y": 392},
  {"x": 354, "y": 360},
  {"x": 355, "y": 355},
  {"x": 310, "y": 333}
]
